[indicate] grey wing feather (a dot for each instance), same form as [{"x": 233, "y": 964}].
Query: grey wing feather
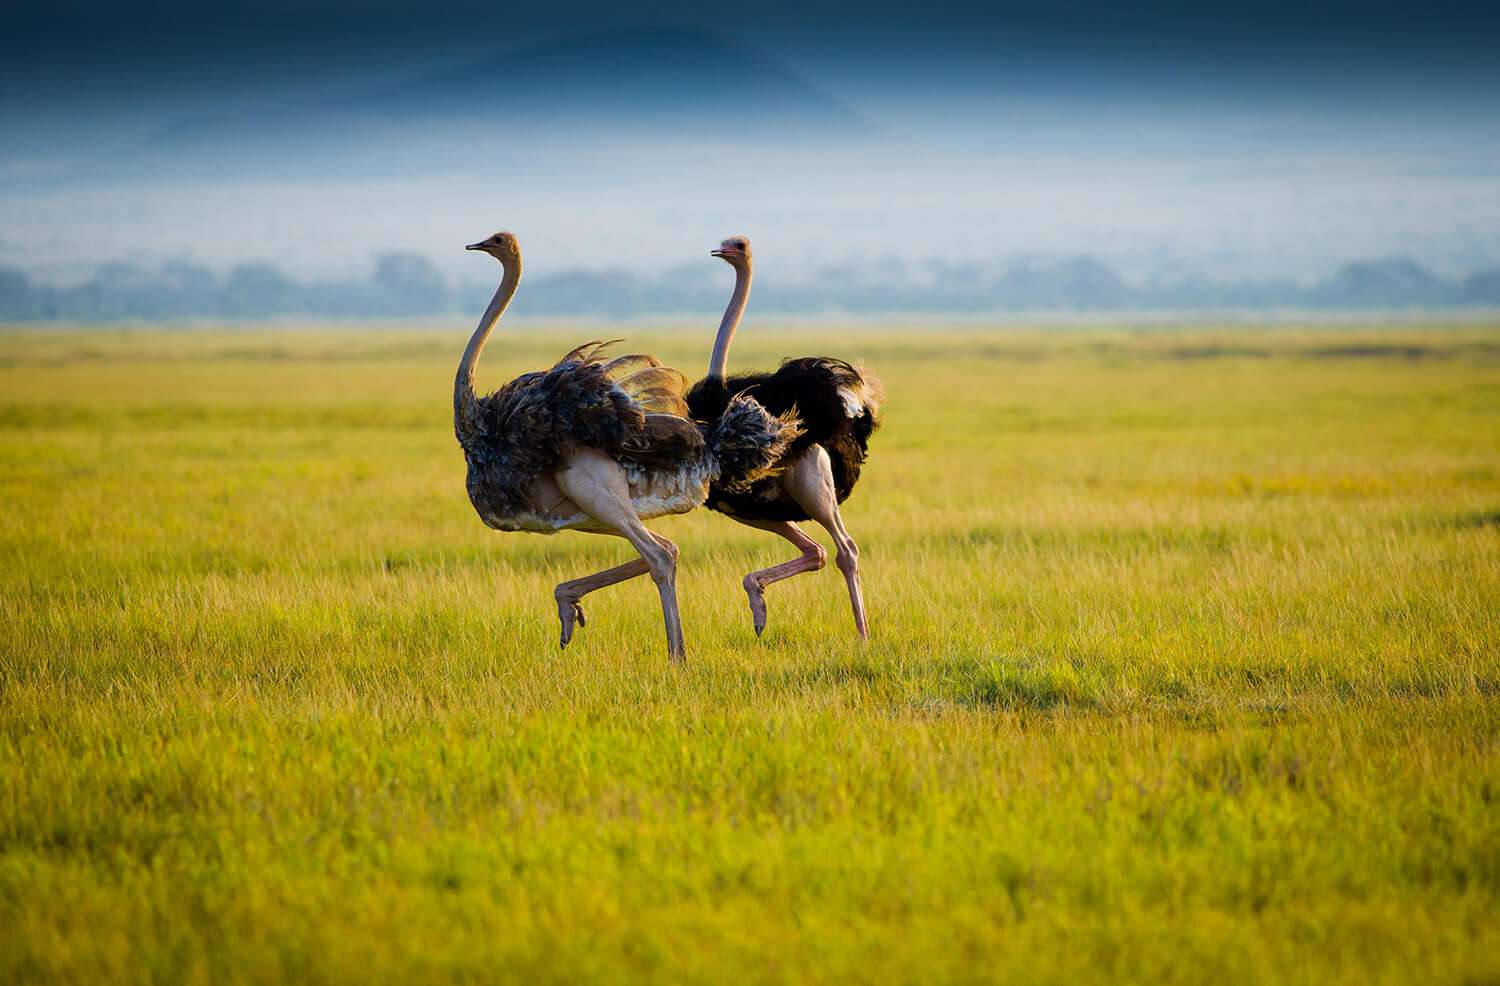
[
  {"x": 630, "y": 408},
  {"x": 750, "y": 442}
]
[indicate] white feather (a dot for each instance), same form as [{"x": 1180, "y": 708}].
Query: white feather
[{"x": 854, "y": 403}]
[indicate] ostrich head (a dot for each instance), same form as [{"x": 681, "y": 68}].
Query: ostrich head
[
  {"x": 502, "y": 246},
  {"x": 734, "y": 251}
]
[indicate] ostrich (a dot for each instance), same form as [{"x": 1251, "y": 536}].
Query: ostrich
[
  {"x": 600, "y": 446},
  {"x": 836, "y": 405}
]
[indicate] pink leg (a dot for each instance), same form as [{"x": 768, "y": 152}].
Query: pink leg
[
  {"x": 596, "y": 483},
  {"x": 813, "y": 558},
  {"x": 569, "y": 595},
  {"x": 809, "y": 481}
]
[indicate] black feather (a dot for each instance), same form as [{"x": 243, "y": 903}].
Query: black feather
[
  {"x": 514, "y": 435},
  {"x": 750, "y": 443},
  {"x": 810, "y": 388}
]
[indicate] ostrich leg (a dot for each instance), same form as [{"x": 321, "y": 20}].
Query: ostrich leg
[
  {"x": 809, "y": 481},
  {"x": 596, "y": 483},
  {"x": 569, "y": 595},
  {"x": 813, "y": 558}
]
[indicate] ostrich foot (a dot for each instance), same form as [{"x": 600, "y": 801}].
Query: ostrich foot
[
  {"x": 757, "y": 594},
  {"x": 569, "y": 614},
  {"x": 569, "y": 595},
  {"x": 812, "y": 558}
]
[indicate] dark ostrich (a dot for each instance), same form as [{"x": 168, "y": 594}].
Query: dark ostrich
[
  {"x": 837, "y": 407},
  {"x": 600, "y": 446}
]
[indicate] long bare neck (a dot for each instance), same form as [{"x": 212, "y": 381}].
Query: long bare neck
[
  {"x": 463, "y": 384},
  {"x": 718, "y": 363}
]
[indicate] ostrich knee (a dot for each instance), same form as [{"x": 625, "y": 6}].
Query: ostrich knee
[
  {"x": 662, "y": 562},
  {"x": 818, "y": 555},
  {"x": 848, "y": 557}
]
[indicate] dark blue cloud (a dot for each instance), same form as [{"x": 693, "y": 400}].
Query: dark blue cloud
[{"x": 1340, "y": 27}]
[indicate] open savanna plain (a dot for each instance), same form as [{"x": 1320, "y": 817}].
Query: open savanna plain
[{"x": 1183, "y": 668}]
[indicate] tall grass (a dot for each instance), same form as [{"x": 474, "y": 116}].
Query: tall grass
[{"x": 1183, "y": 668}]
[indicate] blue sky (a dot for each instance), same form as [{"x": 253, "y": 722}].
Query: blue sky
[{"x": 1264, "y": 140}]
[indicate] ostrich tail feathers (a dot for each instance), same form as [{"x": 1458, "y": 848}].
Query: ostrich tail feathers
[
  {"x": 658, "y": 389},
  {"x": 589, "y": 352},
  {"x": 859, "y": 390},
  {"x": 624, "y": 366},
  {"x": 871, "y": 390},
  {"x": 749, "y": 442},
  {"x": 653, "y": 378}
]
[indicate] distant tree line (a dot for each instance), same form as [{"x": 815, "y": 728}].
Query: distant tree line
[{"x": 409, "y": 285}]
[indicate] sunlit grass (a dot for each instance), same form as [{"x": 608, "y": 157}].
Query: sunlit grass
[{"x": 1184, "y": 668}]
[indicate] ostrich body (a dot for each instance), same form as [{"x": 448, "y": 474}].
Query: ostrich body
[
  {"x": 599, "y": 446},
  {"x": 836, "y": 405}
]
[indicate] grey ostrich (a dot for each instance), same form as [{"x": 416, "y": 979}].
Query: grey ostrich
[
  {"x": 600, "y": 446},
  {"x": 836, "y": 405}
]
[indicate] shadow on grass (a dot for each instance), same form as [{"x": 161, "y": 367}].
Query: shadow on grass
[
  {"x": 1216, "y": 351},
  {"x": 1478, "y": 520},
  {"x": 1024, "y": 684},
  {"x": 832, "y": 672},
  {"x": 1374, "y": 350}
]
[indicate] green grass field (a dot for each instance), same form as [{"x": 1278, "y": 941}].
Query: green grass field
[{"x": 1184, "y": 668}]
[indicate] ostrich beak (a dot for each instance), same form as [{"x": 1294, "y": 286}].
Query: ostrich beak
[{"x": 474, "y": 246}]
